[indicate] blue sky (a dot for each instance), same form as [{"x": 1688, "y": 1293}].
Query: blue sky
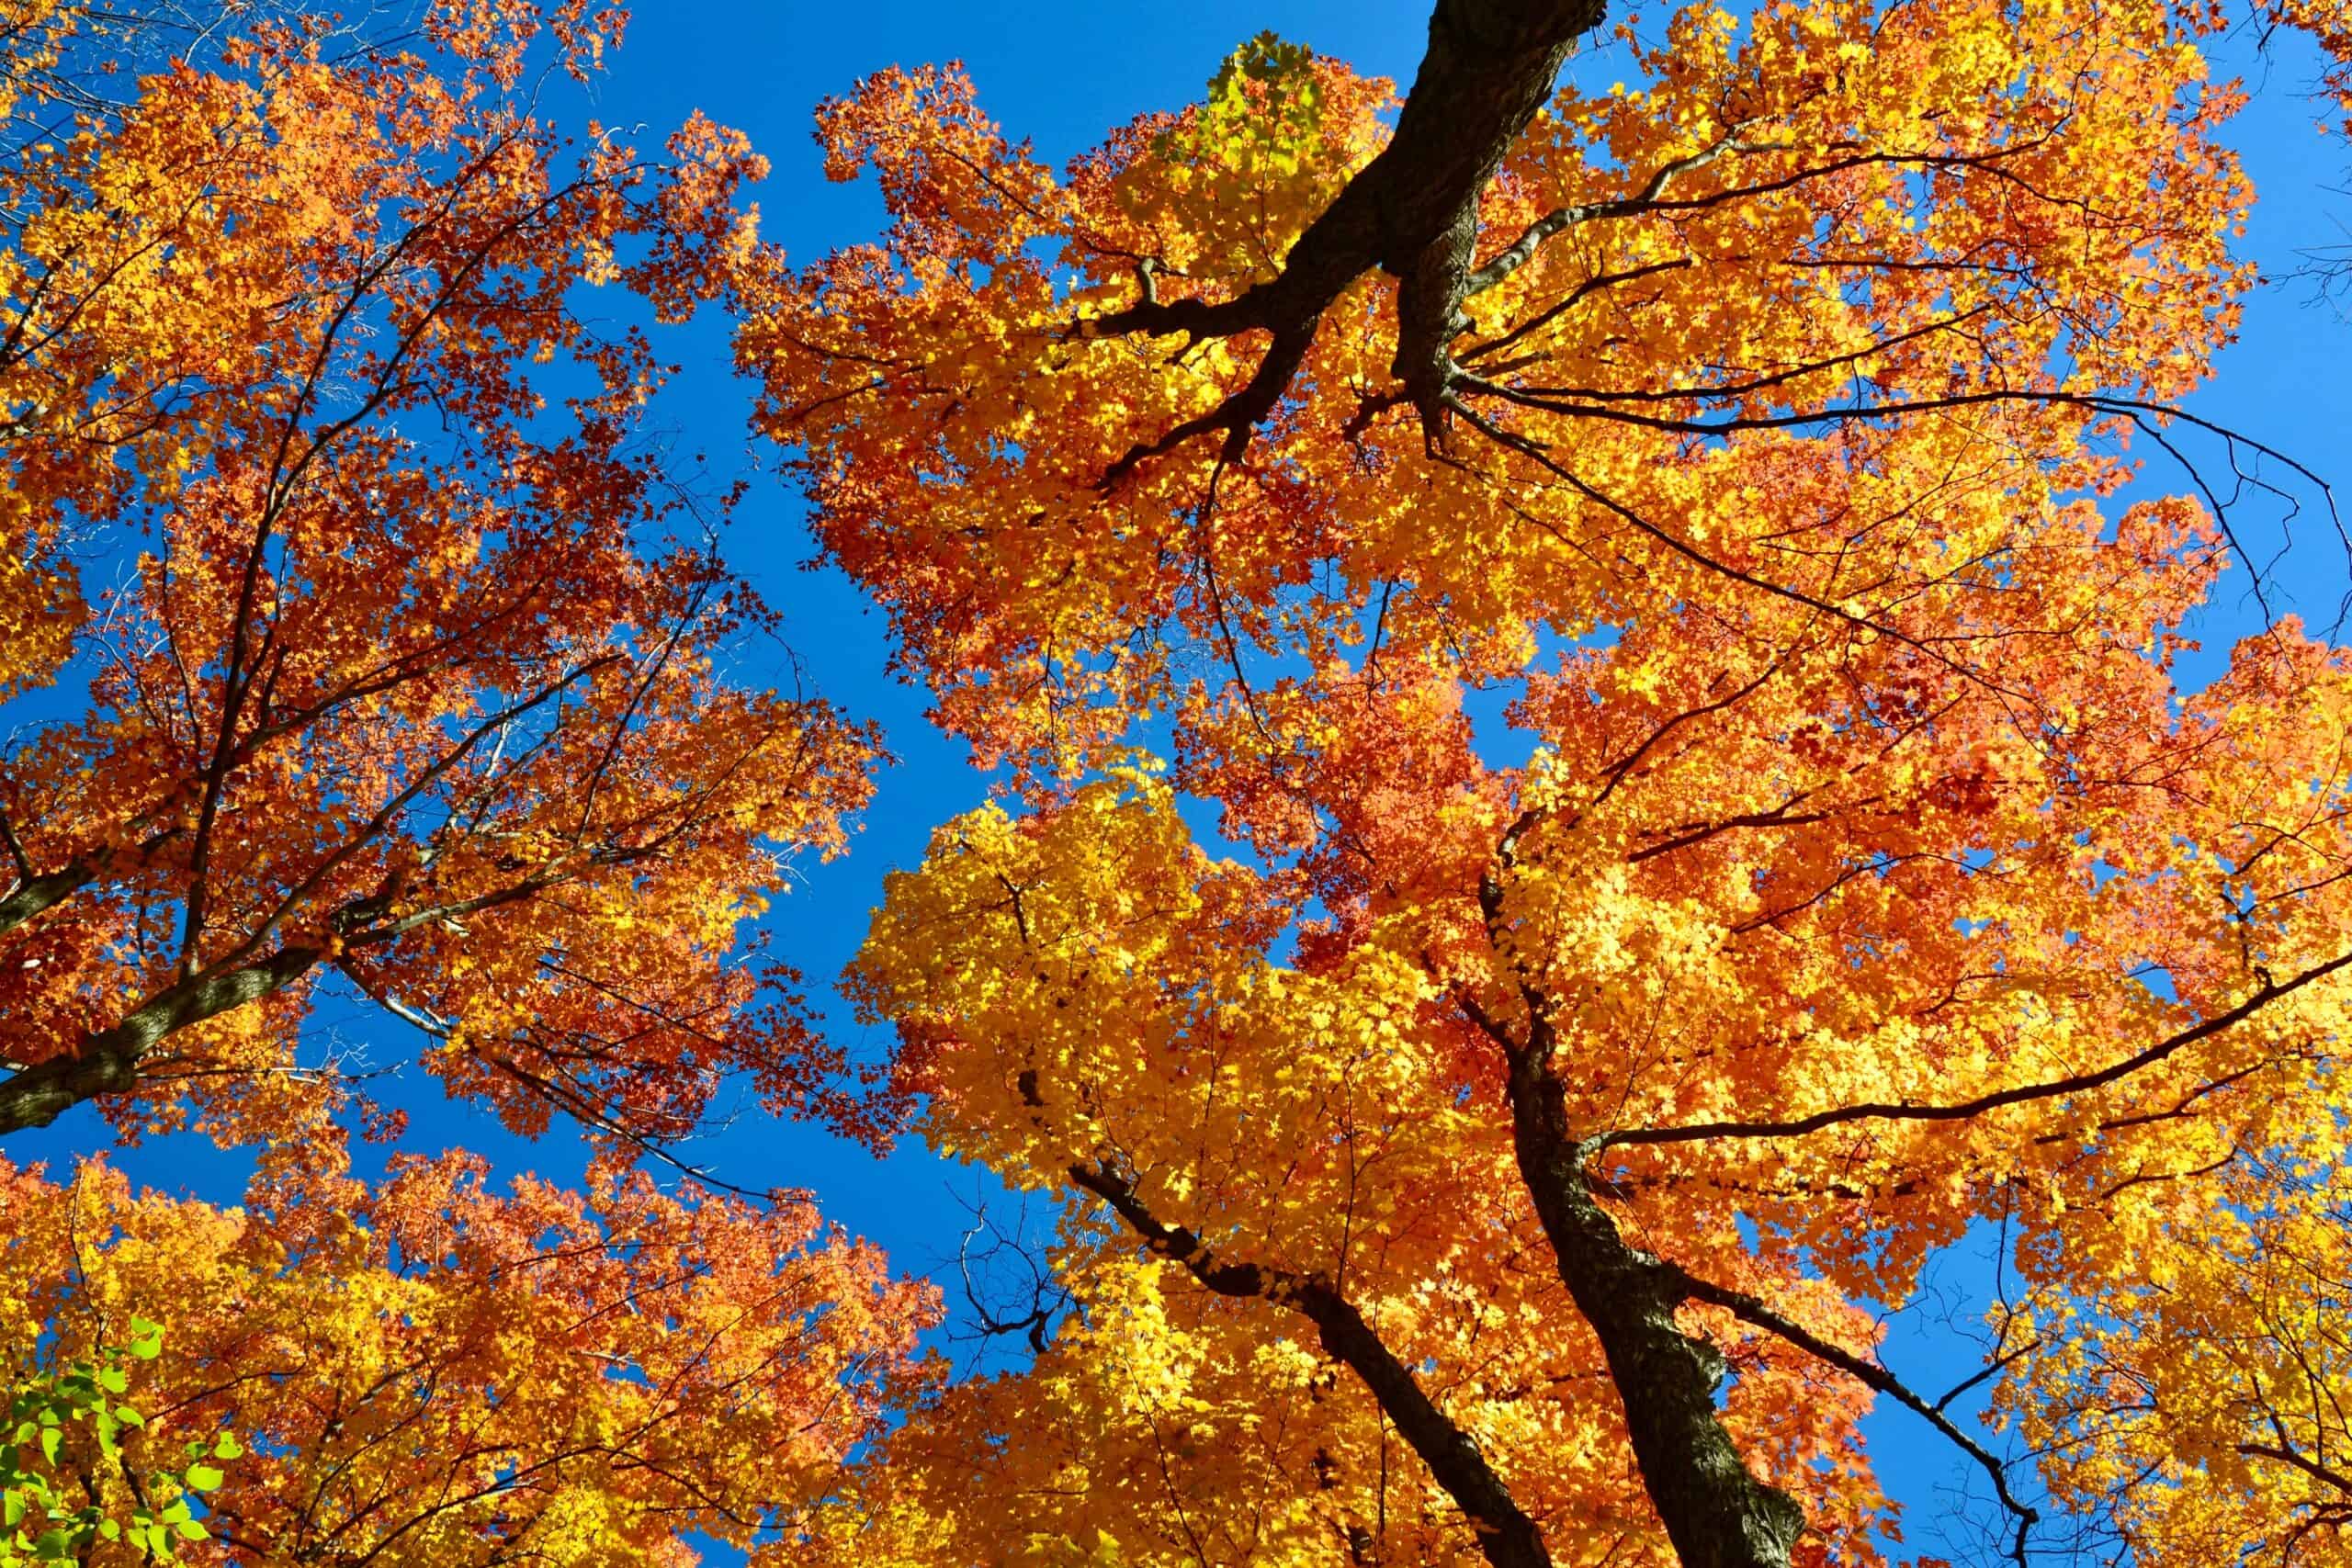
[{"x": 1061, "y": 73}]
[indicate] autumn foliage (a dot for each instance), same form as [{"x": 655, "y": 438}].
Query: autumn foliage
[
  {"x": 399, "y": 648},
  {"x": 368, "y": 654},
  {"x": 1676, "y": 594},
  {"x": 1515, "y": 1160},
  {"x": 428, "y": 1372}
]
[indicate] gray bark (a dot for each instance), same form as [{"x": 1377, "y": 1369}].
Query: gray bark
[{"x": 1715, "y": 1513}]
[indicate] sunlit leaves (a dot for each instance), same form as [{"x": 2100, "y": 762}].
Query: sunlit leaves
[
  {"x": 434, "y": 1368},
  {"x": 419, "y": 671},
  {"x": 101, "y": 1478},
  {"x": 1877, "y": 875}
]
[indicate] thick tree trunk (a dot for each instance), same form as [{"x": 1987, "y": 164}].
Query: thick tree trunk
[
  {"x": 1715, "y": 1513},
  {"x": 1490, "y": 65},
  {"x": 1412, "y": 211}
]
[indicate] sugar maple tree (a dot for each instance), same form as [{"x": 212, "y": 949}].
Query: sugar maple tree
[
  {"x": 1513, "y": 1160},
  {"x": 361, "y": 649},
  {"x": 398, "y": 670}
]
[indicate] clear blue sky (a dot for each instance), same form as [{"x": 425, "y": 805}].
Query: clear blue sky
[{"x": 1061, "y": 73}]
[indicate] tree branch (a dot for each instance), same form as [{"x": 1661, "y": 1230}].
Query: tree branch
[
  {"x": 1961, "y": 1110},
  {"x": 1507, "y": 1535},
  {"x": 1717, "y": 1514},
  {"x": 108, "y": 1062},
  {"x": 1753, "y": 1310},
  {"x": 36, "y": 895},
  {"x": 1411, "y": 212}
]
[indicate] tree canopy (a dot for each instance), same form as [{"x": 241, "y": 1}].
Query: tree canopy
[
  {"x": 1758, "y": 428},
  {"x": 412, "y": 678},
  {"x": 1487, "y": 1153},
  {"x": 409, "y": 677}
]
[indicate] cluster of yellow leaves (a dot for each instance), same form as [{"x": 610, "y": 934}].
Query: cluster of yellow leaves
[
  {"x": 1088, "y": 984},
  {"x": 430, "y": 1372},
  {"x": 1876, "y": 873},
  {"x": 2202, "y": 1400}
]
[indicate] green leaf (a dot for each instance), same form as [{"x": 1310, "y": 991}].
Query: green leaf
[
  {"x": 190, "y": 1530},
  {"x": 113, "y": 1380},
  {"x": 204, "y": 1477},
  {"x": 49, "y": 1435},
  {"x": 128, "y": 1416},
  {"x": 227, "y": 1448},
  {"x": 147, "y": 1338}
]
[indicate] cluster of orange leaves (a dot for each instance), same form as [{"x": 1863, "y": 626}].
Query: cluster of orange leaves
[
  {"x": 1880, "y": 872},
  {"x": 412, "y": 685},
  {"x": 416, "y": 672}
]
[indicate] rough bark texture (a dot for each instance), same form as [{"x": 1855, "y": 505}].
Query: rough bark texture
[
  {"x": 36, "y": 895},
  {"x": 1715, "y": 1513},
  {"x": 1507, "y": 1537},
  {"x": 1411, "y": 212}
]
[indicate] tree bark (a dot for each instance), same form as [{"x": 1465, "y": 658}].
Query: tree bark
[
  {"x": 1411, "y": 212},
  {"x": 1717, "y": 1514},
  {"x": 109, "y": 1061},
  {"x": 35, "y": 895},
  {"x": 1507, "y": 1537},
  {"x": 38, "y": 893}
]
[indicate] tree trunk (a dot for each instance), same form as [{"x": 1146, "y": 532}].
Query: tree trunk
[
  {"x": 1715, "y": 1513},
  {"x": 1412, "y": 212}
]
